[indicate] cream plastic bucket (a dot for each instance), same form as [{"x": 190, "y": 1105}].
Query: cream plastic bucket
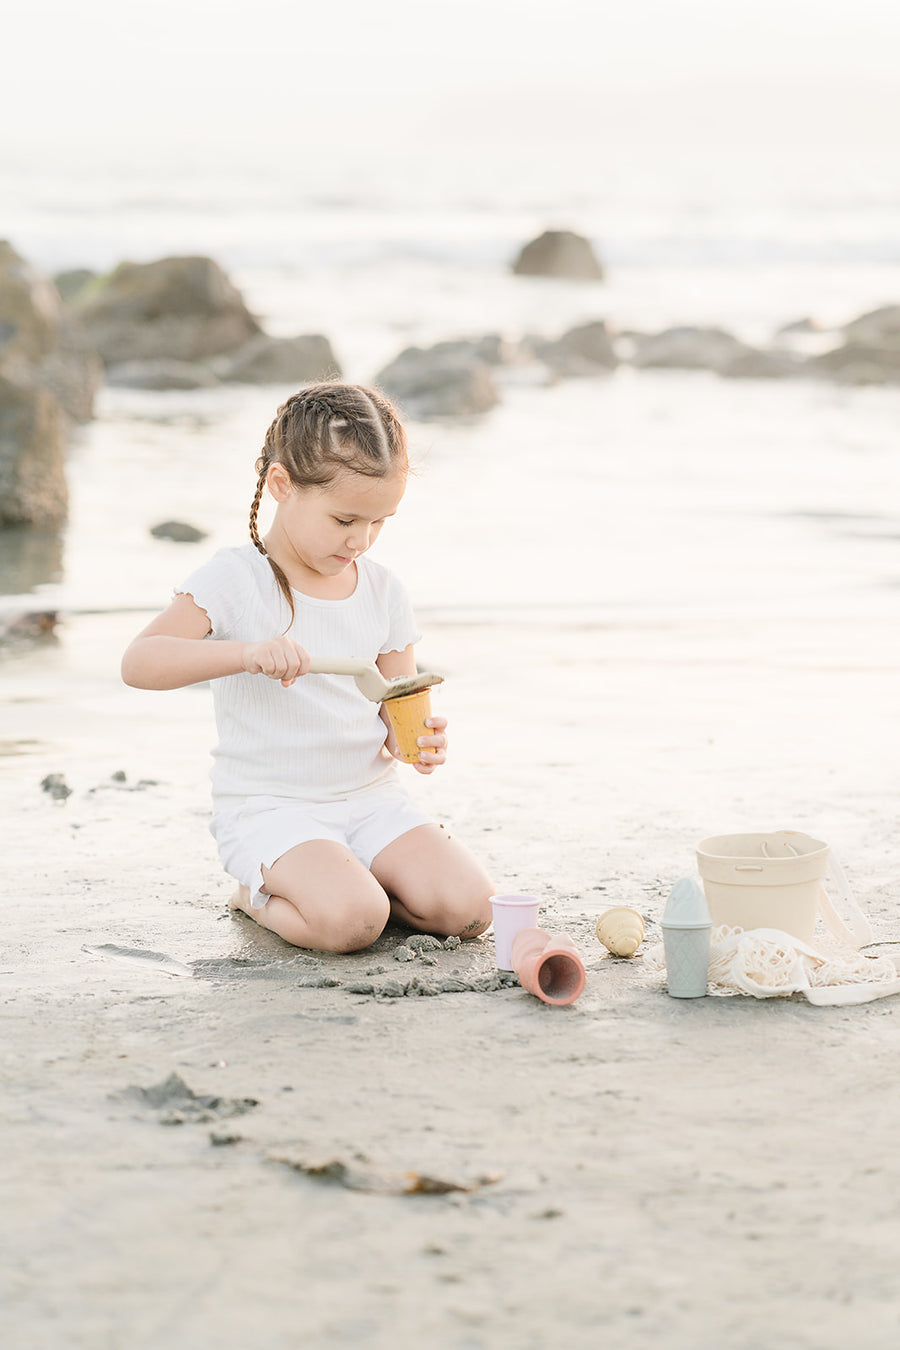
[{"x": 771, "y": 880}]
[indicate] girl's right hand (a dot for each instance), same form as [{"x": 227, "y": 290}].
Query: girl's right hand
[{"x": 280, "y": 658}]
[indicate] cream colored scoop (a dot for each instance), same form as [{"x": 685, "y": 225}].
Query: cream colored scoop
[{"x": 369, "y": 679}]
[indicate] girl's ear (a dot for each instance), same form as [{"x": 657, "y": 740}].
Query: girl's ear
[{"x": 278, "y": 482}]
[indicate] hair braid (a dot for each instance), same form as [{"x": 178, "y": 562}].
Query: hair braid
[{"x": 254, "y": 512}]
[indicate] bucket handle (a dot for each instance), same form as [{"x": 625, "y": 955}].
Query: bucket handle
[{"x": 858, "y": 933}]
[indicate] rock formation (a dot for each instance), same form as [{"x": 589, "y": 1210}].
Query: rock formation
[
  {"x": 274, "y": 360},
  {"x": 161, "y": 374},
  {"x": 49, "y": 375},
  {"x": 855, "y": 363},
  {"x": 689, "y": 348},
  {"x": 585, "y": 350},
  {"x": 446, "y": 380},
  {"x": 33, "y": 436},
  {"x": 41, "y": 345},
  {"x": 878, "y": 328},
  {"x": 182, "y": 309},
  {"x": 559, "y": 253}
]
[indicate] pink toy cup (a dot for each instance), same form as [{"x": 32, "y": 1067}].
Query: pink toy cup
[{"x": 512, "y": 913}]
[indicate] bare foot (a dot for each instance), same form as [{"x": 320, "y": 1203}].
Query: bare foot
[{"x": 241, "y": 900}]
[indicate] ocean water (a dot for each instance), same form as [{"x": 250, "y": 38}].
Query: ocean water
[{"x": 642, "y": 497}]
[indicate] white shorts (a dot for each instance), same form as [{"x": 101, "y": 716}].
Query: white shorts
[{"x": 258, "y": 833}]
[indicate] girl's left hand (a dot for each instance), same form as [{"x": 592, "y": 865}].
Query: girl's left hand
[{"x": 433, "y": 748}]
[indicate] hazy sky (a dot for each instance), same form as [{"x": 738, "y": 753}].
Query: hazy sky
[{"x": 104, "y": 72}]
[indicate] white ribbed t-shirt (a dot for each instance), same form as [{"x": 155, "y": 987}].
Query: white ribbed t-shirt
[{"x": 321, "y": 739}]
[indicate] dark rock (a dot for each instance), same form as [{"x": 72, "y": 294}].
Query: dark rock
[
  {"x": 585, "y": 350},
  {"x": 184, "y": 309},
  {"x": 57, "y": 787},
  {"x": 179, "y": 531},
  {"x": 441, "y": 381},
  {"x": 33, "y": 437},
  {"x": 689, "y": 349},
  {"x": 559, "y": 253},
  {"x": 878, "y": 328},
  {"x": 161, "y": 374},
  {"x": 273, "y": 360}
]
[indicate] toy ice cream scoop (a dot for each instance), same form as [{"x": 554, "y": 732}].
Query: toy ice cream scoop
[
  {"x": 369, "y": 679},
  {"x": 621, "y": 930}
]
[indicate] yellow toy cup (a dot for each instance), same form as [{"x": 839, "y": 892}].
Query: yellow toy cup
[{"x": 406, "y": 715}]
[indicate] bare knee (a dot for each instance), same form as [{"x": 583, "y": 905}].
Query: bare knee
[
  {"x": 451, "y": 913},
  {"x": 351, "y": 924},
  {"x": 436, "y": 884},
  {"x": 323, "y": 899},
  {"x": 357, "y": 927},
  {"x": 475, "y": 927},
  {"x": 462, "y": 904},
  {"x": 468, "y": 919}
]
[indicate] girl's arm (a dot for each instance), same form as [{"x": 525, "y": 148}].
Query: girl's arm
[
  {"x": 170, "y": 652},
  {"x": 434, "y": 749}
]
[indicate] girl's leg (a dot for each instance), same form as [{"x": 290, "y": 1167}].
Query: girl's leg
[
  {"x": 320, "y": 897},
  {"x": 435, "y": 883}
]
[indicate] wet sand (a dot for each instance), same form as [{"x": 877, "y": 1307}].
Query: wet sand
[{"x": 366, "y": 1151}]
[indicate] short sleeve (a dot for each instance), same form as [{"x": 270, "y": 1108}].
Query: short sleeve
[
  {"x": 221, "y": 587},
  {"x": 402, "y": 628}
]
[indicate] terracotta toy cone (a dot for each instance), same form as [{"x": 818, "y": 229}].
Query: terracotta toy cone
[
  {"x": 551, "y": 968},
  {"x": 407, "y": 717}
]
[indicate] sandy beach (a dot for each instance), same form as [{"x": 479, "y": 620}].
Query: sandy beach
[
  {"x": 630, "y": 1171},
  {"x": 663, "y": 590}
]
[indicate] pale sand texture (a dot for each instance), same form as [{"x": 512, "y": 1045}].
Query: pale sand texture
[{"x": 718, "y": 1174}]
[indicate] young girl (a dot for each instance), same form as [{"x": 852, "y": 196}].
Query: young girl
[{"x": 309, "y": 815}]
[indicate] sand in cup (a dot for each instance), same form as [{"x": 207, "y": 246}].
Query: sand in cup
[
  {"x": 512, "y": 913},
  {"x": 407, "y": 716}
]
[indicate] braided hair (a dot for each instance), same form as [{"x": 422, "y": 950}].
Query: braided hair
[{"x": 322, "y": 431}]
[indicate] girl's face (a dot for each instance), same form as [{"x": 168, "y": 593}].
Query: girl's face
[{"x": 323, "y": 530}]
